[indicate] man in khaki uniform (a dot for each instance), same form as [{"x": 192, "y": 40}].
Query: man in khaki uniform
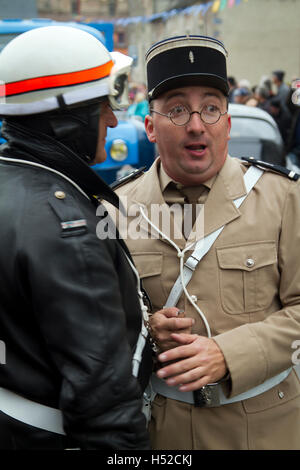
[{"x": 241, "y": 321}]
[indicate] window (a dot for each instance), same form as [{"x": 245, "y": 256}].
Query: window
[
  {"x": 112, "y": 7},
  {"x": 75, "y": 7}
]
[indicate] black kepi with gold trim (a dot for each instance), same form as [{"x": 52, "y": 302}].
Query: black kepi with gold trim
[{"x": 186, "y": 61}]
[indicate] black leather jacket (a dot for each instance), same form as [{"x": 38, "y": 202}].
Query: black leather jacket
[{"x": 69, "y": 311}]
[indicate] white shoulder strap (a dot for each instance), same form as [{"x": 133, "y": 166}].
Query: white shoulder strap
[{"x": 203, "y": 246}]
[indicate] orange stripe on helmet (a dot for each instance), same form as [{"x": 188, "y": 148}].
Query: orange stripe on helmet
[{"x": 55, "y": 81}]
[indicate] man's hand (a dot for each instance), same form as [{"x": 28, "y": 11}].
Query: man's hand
[
  {"x": 199, "y": 361},
  {"x": 165, "y": 322}
]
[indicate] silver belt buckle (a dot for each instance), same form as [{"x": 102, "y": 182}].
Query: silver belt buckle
[{"x": 207, "y": 396}]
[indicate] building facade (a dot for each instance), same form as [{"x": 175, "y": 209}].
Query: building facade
[
  {"x": 260, "y": 35},
  {"x": 66, "y": 9},
  {"x": 18, "y": 9}
]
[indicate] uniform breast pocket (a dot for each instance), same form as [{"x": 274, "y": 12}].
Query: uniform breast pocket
[
  {"x": 248, "y": 276},
  {"x": 149, "y": 266}
]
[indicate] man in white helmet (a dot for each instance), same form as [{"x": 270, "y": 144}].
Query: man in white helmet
[{"x": 70, "y": 309}]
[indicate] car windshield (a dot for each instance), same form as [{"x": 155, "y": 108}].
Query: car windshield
[{"x": 249, "y": 127}]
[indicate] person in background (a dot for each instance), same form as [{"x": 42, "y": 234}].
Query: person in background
[
  {"x": 282, "y": 88},
  {"x": 266, "y": 82},
  {"x": 70, "y": 298},
  {"x": 282, "y": 117},
  {"x": 293, "y": 139},
  {"x": 140, "y": 106},
  {"x": 262, "y": 96},
  {"x": 241, "y": 95},
  {"x": 252, "y": 100},
  {"x": 244, "y": 83},
  {"x": 232, "y": 87}
]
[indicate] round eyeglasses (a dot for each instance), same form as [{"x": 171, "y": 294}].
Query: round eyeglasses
[{"x": 180, "y": 115}]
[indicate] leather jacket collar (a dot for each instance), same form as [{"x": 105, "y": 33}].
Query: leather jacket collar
[{"x": 35, "y": 146}]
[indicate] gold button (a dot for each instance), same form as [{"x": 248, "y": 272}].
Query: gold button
[
  {"x": 249, "y": 262},
  {"x": 60, "y": 194}
]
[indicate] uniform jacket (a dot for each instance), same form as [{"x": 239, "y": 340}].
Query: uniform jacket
[
  {"x": 69, "y": 310},
  {"x": 253, "y": 311}
]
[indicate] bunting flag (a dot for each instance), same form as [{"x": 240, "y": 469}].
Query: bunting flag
[
  {"x": 198, "y": 9},
  {"x": 223, "y": 4},
  {"x": 216, "y": 6}
]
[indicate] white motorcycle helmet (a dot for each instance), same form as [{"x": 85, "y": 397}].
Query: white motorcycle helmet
[{"x": 53, "y": 66}]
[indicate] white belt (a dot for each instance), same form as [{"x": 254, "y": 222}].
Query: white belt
[
  {"x": 212, "y": 394},
  {"x": 30, "y": 412}
]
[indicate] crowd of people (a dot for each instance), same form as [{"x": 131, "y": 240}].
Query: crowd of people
[
  {"x": 139, "y": 106},
  {"x": 273, "y": 95}
]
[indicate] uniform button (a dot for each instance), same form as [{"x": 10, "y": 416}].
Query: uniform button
[
  {"x": 60, "y": 194},
  {"x": 249, "y": 262},
  {"x": 194, "y": 298},
  {"x": 281, "y": 394}
]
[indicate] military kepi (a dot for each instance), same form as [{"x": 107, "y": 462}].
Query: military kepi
[{"x": 186, "y": 61}]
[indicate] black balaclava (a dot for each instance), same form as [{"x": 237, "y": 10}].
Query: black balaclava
[
  {"x": 78, "y": 129},
  {"x": 75, "y": 127},
  {"x": 65, "y": 140}
]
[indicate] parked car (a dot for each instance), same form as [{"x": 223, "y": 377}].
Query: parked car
[
  {"x": 127, "y": 148},
  {"x": 254, "y": 133}
]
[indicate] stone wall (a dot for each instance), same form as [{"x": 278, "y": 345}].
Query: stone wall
[
  {"x": 260, "y": 36},
  {"x": 89, "y": 8},
  {"x": 17, "y": 9},
  {"x": 142, "y": 35}
]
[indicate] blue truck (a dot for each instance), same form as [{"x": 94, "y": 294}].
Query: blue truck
[{"x": 127, "y": 145}]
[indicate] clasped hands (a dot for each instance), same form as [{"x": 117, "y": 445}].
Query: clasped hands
[{"x": 198, "y": 360}]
